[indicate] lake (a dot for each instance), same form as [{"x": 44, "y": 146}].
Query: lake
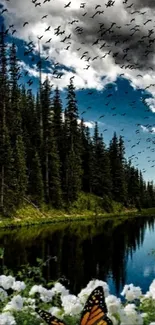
[{"x": 112, "y": 250}]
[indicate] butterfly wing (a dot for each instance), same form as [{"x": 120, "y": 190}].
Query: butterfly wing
[
  {"x": 94, "y": 312},
  {"x": 95, "y": 309},
  {"x": 48, "y": 318}
]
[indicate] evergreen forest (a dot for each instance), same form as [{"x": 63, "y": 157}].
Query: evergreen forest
[{"x": 48, "y": 157}]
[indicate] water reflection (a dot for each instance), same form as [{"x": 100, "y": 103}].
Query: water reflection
[{"x": 103, "y": 249}]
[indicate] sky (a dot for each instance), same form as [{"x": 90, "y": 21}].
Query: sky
[{"x": 107, "y": 46}]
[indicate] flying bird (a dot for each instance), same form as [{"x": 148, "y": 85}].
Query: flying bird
[
  {"x": 67, "y": 5},
  {"x": 38, "y": 4},
  {"x": 98, "y": 6},
  {"x": 4, "y": 10},
  {"x": 49, "y": 40},
  {"x": 47, "y": 29},
  {"x": 26, "y": 23},
  {"x": 40, "y": 37}
]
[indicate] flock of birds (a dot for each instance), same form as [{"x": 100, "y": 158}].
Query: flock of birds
[{"x": 121, "y": 54}]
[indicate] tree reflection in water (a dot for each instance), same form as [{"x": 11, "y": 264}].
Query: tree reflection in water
[{"x": 84, "y": 251}]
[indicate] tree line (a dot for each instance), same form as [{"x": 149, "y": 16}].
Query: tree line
[{"x": 47, "y": 156}]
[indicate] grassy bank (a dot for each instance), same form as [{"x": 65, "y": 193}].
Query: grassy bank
[{"x": 88, "y": 206}]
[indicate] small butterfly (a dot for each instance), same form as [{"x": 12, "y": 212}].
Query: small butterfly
[{"x": 94, "y": 312}]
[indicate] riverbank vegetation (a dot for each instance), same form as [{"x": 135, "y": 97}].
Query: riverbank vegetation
[{"x": 50, "y": 159}]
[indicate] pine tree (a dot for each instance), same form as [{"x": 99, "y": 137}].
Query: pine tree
[
  {"x": 55, "y": 192},
  {"x": 14, "y": 119},
  {"x": 51, "y": 160},
  {"x": 89, "y": 160},
  {"x": 116, "y": 154},
  {"x": 72, "y": 164},
  {"x": 38, "y": 124},
  {"x": 57, "y": 119},
  {"x": 115, "y": 166},
  {"x": 46, "y": 110},
  {"x": 150, "y": 195},
  {"x": 36, "y": 186},
  {"x": 10, "y": 182},
  {"x": 141, "y": 189},
  {"x": 4, "y": 137},
  {"x": 86, "y": 157},
  {"x": 123, "y": 184},
  {"x": 133, "y": 185},
  {"x": 101, "y": 181},
  {"x": 15, "y": 130},
  {"x": 20, "y": 170}
]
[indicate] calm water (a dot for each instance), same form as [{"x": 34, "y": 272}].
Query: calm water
[{"x": 114, "y": 251}]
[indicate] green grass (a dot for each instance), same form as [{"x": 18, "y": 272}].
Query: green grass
[{"x": 87, "y": 206}]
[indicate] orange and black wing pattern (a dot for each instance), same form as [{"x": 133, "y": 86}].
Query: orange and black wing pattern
[
  {"x": 95, "y": 309},
  {"x": 48, "y": 318}
]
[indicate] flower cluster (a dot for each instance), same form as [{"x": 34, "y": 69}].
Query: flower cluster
[{"x": 16, "y": 299}]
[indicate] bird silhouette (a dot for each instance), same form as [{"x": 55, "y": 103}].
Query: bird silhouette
[
  {"x": 26, "y": 23},
  {"x": 47, "y": 29},
  {"x": 40, "y": 37},
  {"x": 4, "y": 10},
  {"x": 38, "y": 4},
  {"x": 67, "y": 5},
  {"x": 49, "y": 40}
]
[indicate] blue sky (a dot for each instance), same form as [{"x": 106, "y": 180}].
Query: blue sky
[{"x": 119, "y": 80}]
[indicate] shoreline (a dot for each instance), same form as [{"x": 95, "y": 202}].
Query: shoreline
[{"x": 61, "y": 216}]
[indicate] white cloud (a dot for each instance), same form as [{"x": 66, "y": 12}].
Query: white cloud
[
  {"x": 107, "y": 67},
  {"x": 144, "y": 128},
  {"x": 151, "y": 103},
  {"x": 89, "y": 124},
  {"x": 148, "y": 129}
]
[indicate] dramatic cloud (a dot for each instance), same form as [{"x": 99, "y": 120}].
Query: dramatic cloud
[
  {"x": 151, "y": 103},
  {"x": 102, "y": 42},
  {"x": 148, "y": 129},
  {"x": 89, "y": 124}
]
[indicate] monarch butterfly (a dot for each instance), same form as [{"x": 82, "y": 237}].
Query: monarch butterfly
[{"x": 94, "y": 312}]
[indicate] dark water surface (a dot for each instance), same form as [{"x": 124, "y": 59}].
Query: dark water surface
[{"x": 115, "y": 251}]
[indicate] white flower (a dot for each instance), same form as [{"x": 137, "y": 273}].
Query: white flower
[
  {"x": 3, "y": 294},
  {"x": 113, "y": 304},
  {"x": 29, "y": 302},
  {"x": 71, "y": 305},
  {"x": 84, "y": 294},
  {"x": 57, "y": 312},
  {"x": 6, "y": 282},
  {"x": 146, "y": 296},
  {"x": 7, "y": 319},
  {"x": 16, "y": 303},
  {"x": 130, "y": 316},
  {"x": 45, "y": 294},
  {"x": 35, "y": 289},
  {"x": 59, "y": 288},
  {"x": 131, "y": 292},
  {"x": 113, "y": 319},
  {"x": 18, "y": 286},
  {"x": 152, "y": 289}
]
